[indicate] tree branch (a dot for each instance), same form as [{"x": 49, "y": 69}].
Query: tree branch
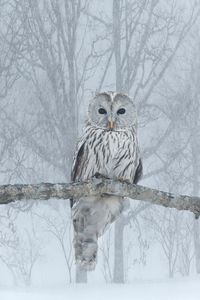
[{"x": 97, "y": 186}]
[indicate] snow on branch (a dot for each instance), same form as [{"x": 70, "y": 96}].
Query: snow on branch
[{"x": 97, "y": 186}]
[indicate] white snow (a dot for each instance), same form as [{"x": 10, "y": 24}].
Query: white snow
[{"x": 184, "y": 289}]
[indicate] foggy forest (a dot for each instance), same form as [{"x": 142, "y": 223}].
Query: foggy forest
[{"x": 55, "y": 55}]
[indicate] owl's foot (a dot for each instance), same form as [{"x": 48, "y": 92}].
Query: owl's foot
[
  {"x": 100, "y": 176},
  {"x": 121, "y": 179}
]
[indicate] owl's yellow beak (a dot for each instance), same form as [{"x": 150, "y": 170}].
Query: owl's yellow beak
[{"x": 111, "y": 124}]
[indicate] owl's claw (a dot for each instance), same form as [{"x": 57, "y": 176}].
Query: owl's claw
[
  {"x": 100, "y": 176},
  {"x": 121, "y": 179}
]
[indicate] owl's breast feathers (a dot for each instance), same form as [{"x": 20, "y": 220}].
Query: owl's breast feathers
[{"x": 114, "y": 154}]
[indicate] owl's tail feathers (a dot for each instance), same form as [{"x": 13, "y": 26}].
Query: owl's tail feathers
[
  {"x": 91, "y": 218},
  {"x": 85, "y": 241},
  {"x": 85, "y": 253}
]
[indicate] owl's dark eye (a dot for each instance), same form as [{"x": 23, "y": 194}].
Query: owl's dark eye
[
  {"x": 102, "y": 111},
  {"x": 121, "y": 111}
]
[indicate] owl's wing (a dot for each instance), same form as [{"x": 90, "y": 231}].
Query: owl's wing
[
  {"x": 138, "y": 172},
  {"x": 78, "y": 163}
]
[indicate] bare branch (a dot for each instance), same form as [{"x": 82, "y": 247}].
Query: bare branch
[{"x": 97, "y": 186}]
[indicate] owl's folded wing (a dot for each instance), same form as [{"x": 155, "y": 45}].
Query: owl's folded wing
[
  {"x": 78, "y": 163},
  {"x": 138, "y": 172}
]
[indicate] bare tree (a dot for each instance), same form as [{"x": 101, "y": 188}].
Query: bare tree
[
  {"x": 186, "y": 255},
  {"x": 58, "y": 224},
  {"x": 142, "y": 57},
  {"x": 106, "y": 255},
  {"x": 9, "y": 38},
  {"x": 53, "y": 54},
  {"x": 186, "y": 109},
  {"x": 56, "y": 66},
  {"x": 19, "y": 250},
  {"x": 166, "y": 226}
]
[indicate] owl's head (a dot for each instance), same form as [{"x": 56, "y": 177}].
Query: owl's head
[{"x": 112, "y": 111}]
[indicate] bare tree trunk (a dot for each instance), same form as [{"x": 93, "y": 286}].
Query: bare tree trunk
[
  {"x": 195, "y": 174},
  {"x": 197, "y": 244},
  {"x": 194, "y": 123},
  {"x": 81, "y": 275},
  {"x": 196, "y": 221},
  {"x": 73, "y": 102},
  {"x": 117, "y": 43},
  {"x": 118, "y": 276}
]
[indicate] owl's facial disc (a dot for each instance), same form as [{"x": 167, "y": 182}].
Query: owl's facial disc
[{"x": 112, "y": 113}]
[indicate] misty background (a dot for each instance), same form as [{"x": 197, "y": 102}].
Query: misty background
[{"x": 54, "y": 56}]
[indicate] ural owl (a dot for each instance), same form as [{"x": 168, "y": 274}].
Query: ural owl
[{"x": 109, "y": 147}]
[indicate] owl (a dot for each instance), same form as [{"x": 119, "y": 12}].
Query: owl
[{"x": 109, "y": 146}]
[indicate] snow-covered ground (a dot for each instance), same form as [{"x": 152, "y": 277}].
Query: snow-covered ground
[{"x": 185, "y": 289}]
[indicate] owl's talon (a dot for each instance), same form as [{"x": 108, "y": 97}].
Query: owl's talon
[
  {"x": 100, "y": 176},
  {"x": 121, "y": 179}
]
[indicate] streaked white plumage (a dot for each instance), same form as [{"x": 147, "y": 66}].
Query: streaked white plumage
[{"x": 109, "y": 147}]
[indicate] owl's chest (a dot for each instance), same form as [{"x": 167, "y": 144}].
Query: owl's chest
[{"x": 110, "y": 153}]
